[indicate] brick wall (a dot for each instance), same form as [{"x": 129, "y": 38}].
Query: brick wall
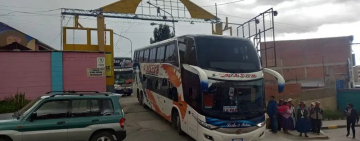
[
  {"x": 74, "y": 69},
  {"x": 308, "y": 59},
  {"x": 28, "y": 72},
  {"x": 290, "y": 89}
]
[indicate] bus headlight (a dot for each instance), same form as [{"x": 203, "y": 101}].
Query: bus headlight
[
  {"x": 208, "y": 126},
  {"x": 261, "y": 124}
]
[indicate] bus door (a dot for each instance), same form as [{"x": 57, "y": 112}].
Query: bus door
[{"x": 191, "y": 85}]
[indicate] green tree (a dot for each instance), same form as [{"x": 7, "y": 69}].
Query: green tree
[{"x": 161, "y": 33}]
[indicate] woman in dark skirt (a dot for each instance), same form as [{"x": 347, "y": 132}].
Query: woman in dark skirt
[
  {"x": 286, "y": 120},
  {"x": 302, "y": 124}
]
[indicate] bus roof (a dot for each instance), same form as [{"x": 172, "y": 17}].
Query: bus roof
[{"x": 191, "y": 35}]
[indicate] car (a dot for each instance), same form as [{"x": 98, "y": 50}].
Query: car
[{"x": 67, "y": 116}]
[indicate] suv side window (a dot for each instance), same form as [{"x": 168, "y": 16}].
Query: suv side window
[
  {"x": 52, "y": 110},
  {"x": 85, "y": 108},
  {"x": 107, "y": 107}
]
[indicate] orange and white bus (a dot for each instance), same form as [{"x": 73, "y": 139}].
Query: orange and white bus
[{"x": 208, "y": 86}]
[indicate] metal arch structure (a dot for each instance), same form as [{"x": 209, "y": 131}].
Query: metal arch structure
[
  {"x": 94, "y": 13},
  {"x": 259, "y": 33},
  {"x": 125, "y": 9}
]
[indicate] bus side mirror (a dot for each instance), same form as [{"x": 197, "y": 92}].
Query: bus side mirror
[{"x": 279, "y": 78}]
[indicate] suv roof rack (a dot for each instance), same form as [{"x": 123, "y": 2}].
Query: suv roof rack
[
  {"x": 82, "y": 93},
  {"x": 71, "y": 92}
]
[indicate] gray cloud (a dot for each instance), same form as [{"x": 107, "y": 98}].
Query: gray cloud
[{"x": 46, "y": 27}]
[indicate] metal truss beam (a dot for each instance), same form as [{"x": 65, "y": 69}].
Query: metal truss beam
[{"x": 94, "y": 13}]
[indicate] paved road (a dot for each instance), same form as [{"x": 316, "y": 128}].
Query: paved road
[{"x": 144, "y": 124}]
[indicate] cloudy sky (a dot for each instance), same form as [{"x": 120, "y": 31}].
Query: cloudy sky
[{"x": 297, "y": 19}]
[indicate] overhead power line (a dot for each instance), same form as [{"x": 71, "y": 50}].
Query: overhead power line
[{"x": 223, "y": 3}]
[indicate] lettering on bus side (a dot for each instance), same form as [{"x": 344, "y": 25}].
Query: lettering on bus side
[
  {"x": 151, "y": 69},
  {"x": 241, "y": 75}
]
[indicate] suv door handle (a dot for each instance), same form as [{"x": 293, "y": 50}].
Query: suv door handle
[
  {"x": 95, "y": 120},
  {"x": 60, "y": 122}
]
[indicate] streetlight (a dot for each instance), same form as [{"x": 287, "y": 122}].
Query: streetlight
[
  {"x": 127, "y": 39},
  {"x": 158, "y": 10}
]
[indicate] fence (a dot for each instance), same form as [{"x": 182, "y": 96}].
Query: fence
[{"x": 345, "y": 96}]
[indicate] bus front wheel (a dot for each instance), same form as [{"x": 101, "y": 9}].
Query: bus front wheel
[{"x": 176, "y": 122}]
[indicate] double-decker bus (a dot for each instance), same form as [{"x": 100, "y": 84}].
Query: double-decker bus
[
  {"x": 209, "y": 87},
  {"x": 123, "y": 75}
]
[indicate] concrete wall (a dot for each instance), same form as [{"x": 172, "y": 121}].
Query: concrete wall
[
  {"x": 25, "y": 72},
  {"x": 35, "y": 73},
  {"x": 308, "y": 59},
  {"x": 75, "y": 77}
]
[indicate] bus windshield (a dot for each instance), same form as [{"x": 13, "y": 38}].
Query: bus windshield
[
  {"x": 226, "y": 55},
  {"x": 229, "y": 99},
  {"x": 123, "y": 77}
]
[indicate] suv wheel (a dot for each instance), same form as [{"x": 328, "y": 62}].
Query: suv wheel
[
  {"x": 128, "y": 94},
  {"x": 103, "y": 136},
  {"x": 4, "y": 139}
]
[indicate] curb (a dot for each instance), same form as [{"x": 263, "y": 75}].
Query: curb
[
  {"x": 336, "y": 126},
  {"x": 323, "y": 136}
]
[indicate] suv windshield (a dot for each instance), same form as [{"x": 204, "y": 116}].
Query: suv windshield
[
  {"x": 233, "y": 55},
  {"x": 229, "y": 99},
  {"x": 26, "y": 108}
]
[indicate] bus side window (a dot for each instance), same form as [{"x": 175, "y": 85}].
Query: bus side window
[
  {"x": 160, "y": 54},
  {"x": 190, "y": 54},
  {"x": 182, "y": 48},
  {"x": 146, "y": 55},
  {"x": 152, "y": 55},
  {"x": 141, "y": 56}
]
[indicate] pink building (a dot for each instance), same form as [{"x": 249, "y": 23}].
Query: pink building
[{"x": 37, "y": 72}]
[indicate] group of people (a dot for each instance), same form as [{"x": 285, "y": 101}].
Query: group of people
[{"x": 284, "y": 115}]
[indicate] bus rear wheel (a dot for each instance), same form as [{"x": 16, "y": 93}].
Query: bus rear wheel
[{"x": 140, "y": 98}]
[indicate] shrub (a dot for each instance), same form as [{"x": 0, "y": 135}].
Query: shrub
[
  {"x": 333, "y": 115},
  {"x": 13, "y": 103}
]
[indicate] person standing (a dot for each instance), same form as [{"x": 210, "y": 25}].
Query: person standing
[
  {"x": 310, "y": 119},
  {"x": 351, "y": 117},
  {"x": 281, "y": 102},
  {"x": 302, "y": 123},
  {"x": 272, "y": 113},
  {"x": 286, "y": 120},
  {"x": 316, "y": 115},
  {"x": 292, "y": 108}
]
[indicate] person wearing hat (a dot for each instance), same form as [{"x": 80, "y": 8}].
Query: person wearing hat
[
  {"x": 310, "y": 119},
  {"x": 292, "y": 108},
  {"x": 302, "y": 123},
  {"x": 316, "y": 115},
  {"x": 286, "y": 121},
  {"x": 352, "y": 117}
]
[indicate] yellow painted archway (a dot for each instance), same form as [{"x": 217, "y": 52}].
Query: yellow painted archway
[{"x": 130, "y": 6}]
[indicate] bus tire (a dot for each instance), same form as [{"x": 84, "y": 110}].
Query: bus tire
[
  {"x": 176, "y": 122},
  {"x": 140, "y": 98}
]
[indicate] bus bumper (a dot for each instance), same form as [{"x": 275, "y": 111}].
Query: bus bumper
[
  {"x": 212, "y": 135},
  {"x": 123, "y": 91}
]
